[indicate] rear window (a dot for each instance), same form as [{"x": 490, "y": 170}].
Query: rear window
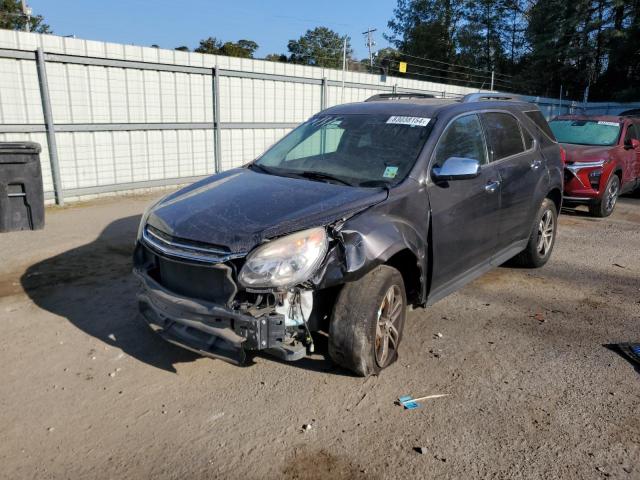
[
  {"x": 586, "y": 132},
  {"x": 536, "y": 117},
  {"x": 503, "y": 132}
]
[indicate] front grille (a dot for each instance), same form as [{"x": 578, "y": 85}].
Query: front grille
[
  {"x": 173, "y": 247},
  {"x": 210, "y": 282}
]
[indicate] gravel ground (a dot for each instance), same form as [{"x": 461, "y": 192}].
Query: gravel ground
[{"x": 89, "y": 392}]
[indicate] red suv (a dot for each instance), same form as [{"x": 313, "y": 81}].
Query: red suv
[{"x": 602, "y": 159}]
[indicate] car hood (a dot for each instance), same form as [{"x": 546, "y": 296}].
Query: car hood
[
  {"x": 585, "y": 153},
  {"x": 240, "y": 208}
]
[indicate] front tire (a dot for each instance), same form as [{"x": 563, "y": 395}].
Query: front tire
[
  {"x": 367, "y": 322},
  {"x": 542, "y": 239},
  {"x": 604, "y": 207}
]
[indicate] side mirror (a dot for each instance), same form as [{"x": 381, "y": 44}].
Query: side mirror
[
  {"x": 457, "y": 168},
  {"x": 631, "y": 143}
]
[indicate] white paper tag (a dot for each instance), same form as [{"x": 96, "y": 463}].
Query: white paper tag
[
  {"x": 611, "y": 124},
  {"x": 412, "y": 121}
]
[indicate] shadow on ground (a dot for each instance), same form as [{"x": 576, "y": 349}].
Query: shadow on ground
[
  {"x": 614, "y": 347},
  {"x": 582, "y": 211},
  {"x": 92, "y": 286}
]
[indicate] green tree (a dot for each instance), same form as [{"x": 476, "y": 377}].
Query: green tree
[
  {"x": 384, "y": 58},
  {"x": 542, "y": 44},
  {"x": 209, "y": 45},
  {"x": 12, "y": 18},
  {"x": 241, "y": 48},
  {"x": 486, "y": 26},
  {"x": 182, "y": 48},
  {"x": 321, "y": 47},
  {"x": 276, "y": 57},
  {"x": 426, "y": 28}
]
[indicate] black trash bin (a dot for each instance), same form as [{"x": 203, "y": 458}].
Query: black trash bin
[{"x": 21, "y": 195}]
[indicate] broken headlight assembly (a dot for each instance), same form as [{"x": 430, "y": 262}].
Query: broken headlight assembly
[{"x": 286, "y": 261}]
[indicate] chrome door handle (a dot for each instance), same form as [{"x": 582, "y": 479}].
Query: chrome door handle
[
  {"x": 536, "y": 164},
  {"x": 492, "y": 186}
]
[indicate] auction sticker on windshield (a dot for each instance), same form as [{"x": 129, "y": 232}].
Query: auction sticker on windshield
[
  {"x": 390, "y": 172},
  {"x": 412, "y": 121},
  {"x": 611, "y": 124}
]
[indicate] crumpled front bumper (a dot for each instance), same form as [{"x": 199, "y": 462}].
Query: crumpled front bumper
[{"x": 206, "y": 328}]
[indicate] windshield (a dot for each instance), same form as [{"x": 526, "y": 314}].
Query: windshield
[
  {"x": 586, "y": 132},
  {"x": 360, "y": 150}
]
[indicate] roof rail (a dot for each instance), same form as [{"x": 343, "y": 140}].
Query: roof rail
[
  {"x": 398, "y": 96},
  {"x": 479, "y": 97},
  {"x": 634, "y": 112}
]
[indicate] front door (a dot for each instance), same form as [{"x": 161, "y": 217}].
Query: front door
[
  {"x": 464, "y": 213},
  {"x": 633, "y": 133}
]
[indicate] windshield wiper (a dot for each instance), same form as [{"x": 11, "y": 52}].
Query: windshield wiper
[
  {"x": 323, "y": 176},
  {"x": 260, "y": 168}
]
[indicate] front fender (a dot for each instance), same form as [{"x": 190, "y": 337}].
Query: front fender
[
  {"x": 366, "y": 241},
  {"x": 375, "y": 240}
]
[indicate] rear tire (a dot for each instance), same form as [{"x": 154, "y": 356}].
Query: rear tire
[
  {"x": 367, "y": 322},
  {"x": 542, "y": 239},
  {"x": 605, "y": 206}
]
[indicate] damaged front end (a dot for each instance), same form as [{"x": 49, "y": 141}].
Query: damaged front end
[{"x": 222, "y": 304}]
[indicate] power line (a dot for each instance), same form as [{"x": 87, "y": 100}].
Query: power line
[
  {"x": 485, "y": 77},
  {"x": 477, "y": 82},
  {"x": 453, "y": 64}
]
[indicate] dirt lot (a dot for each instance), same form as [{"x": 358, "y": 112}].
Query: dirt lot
[{"x": 89, "y": 392}]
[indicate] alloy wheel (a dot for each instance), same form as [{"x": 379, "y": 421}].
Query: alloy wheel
[
  {"x": 611, "y": 196},
  {"x": 545, "y": 233},
  {"x": 387, "y": 333}
]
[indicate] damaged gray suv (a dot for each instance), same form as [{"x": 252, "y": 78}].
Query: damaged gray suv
[{"x": 359, "y": 213}]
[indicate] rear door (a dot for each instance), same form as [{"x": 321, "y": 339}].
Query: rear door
[
  {"x": 520, "y": 166},
  {"x": 464, "y": 213}
]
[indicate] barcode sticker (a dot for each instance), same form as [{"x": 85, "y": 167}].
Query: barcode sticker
[
  {"x": 611, "y": 124},
  {"x": 412, "y": 121}
]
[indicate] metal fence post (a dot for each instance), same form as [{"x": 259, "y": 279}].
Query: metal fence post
[
  {"x": 323, "y": 94},
  {"x": 217, "y": 151},
  {"x": 50, "y": 127}
]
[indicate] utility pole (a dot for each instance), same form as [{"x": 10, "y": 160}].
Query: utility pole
[
  {"x": 560, "y": 104},
  {"x": 492, "y": 75},
  {"x": 26, "y": 11},
  {"x": 370, "y": 43}
]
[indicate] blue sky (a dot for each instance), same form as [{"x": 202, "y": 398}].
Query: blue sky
[{"x": 170, "y": 23}]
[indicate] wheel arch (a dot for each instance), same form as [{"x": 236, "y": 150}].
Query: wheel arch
[
  {"x": 618, "y": 171},
  {"x": 555, "y": 195},
  {"x": 406, "y": 262}
]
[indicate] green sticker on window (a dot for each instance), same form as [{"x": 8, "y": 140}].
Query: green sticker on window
[{"x": 390, "y": 172}]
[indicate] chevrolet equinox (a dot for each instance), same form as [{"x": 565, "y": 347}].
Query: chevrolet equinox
[{"x": 363, "y": 211}]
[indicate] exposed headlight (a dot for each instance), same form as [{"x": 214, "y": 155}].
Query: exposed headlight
[{"x": 286, "y": 261}]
